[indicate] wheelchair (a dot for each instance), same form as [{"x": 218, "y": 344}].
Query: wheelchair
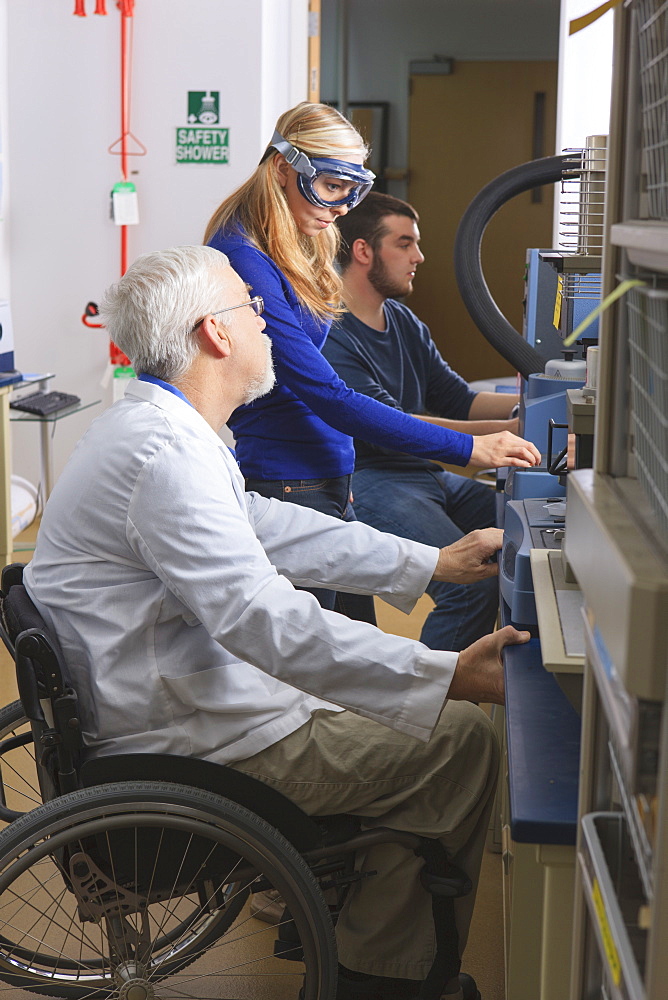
[{"x": 128, "y": 876}]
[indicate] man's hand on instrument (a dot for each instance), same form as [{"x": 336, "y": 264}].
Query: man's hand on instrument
[
  {"x": 478, "y": 675},
  {"x": 469, "y": 558}
]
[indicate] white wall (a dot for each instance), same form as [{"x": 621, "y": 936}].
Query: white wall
[
  {"x": 284, "y": 43},
  {"x": 585, "y": 82},
  {"x": 585, "y": 76},
  {"x": 64, "y": 112},
  {"x": 384, "y": 35},
  {"x": 4, "y": 165}
]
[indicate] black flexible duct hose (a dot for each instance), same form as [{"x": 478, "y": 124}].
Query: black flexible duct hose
[{"x": 468, "y": 266}]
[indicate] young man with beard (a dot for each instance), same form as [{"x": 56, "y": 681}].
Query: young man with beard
[{"x": 381, "y": 348}]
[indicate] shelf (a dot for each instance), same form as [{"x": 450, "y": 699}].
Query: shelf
[
  {"x": 39, "y": 379},
  {"x": 623, "y": 576},
  {"x": 634, "y": 724},
  {"x": 17, "y": 416},
  {"x": 609, "y": 875},
  {"x": 641, "y": 846},
  {"x": 645, "y": 242},
  {"x": 30, "y": 378}
]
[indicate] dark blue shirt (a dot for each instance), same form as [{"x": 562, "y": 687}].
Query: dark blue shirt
[
  {"x": 304, "y": 428},
  {"x": 401, "y": 367}
]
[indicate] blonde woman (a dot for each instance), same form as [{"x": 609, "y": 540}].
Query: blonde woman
[{"x": 296, "y": 443}]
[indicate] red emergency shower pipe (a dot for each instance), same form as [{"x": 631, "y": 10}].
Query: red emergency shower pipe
[
  {"x": 126, "y": 8},
  {"x": 80, "y": 7},
  {"x": 125, "y": 126}
]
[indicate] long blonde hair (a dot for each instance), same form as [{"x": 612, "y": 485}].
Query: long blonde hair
[{"x": 261, "y": 208}]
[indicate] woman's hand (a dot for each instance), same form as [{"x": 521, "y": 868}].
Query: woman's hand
[{"x": 496, "y": 450}]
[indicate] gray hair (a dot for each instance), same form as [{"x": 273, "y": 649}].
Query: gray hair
[{"x": 152, "y": 311}]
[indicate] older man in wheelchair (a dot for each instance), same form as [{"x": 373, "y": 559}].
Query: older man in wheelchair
[{"x": 205, "y": 730}]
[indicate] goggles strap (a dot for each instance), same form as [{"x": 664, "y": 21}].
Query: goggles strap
[{"x": 298, "y": 161}]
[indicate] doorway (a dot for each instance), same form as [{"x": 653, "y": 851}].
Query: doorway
[{"x": 465, "y": 129}]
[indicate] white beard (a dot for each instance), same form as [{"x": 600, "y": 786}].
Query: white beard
[{"x": 262, "y": 384}]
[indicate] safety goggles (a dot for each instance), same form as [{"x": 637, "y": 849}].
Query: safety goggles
[{"x": 323, "y": 181}]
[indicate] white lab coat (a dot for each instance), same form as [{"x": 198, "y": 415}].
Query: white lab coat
[{"x": 171, "y": 592}]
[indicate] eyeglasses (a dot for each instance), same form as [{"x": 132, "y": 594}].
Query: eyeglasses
[{"x": 256, "y": 304}]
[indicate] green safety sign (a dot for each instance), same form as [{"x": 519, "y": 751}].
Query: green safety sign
[
  {"x": 200, "y": 141},
  {"x": 202, "y": 145},
  {"x": 203, "y": 107}
]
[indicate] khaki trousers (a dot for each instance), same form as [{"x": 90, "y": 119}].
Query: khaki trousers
[{"x": 339, "y": 762}]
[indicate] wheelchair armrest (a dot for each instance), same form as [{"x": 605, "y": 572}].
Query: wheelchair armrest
[{"x": 12, "y": 576}]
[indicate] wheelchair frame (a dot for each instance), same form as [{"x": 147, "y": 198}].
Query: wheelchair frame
[{"x": 125, "y": 883}]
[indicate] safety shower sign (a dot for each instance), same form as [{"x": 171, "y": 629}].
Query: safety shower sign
[{"x": 202, "y": 140}]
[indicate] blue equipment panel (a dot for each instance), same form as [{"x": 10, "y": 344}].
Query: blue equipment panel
[
  {"x": 528, "y": 525},
  {"x": 528, "y": 484},
  {"x": 540, "y": 295},
  {"x": 543, "y": 268},
  {"x": 545, "y": 397},
  {"x": 525, "y": 484}
]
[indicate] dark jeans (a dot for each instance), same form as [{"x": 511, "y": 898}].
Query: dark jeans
[
  {"x": 436, "y": 508},
  {"x": 329, "y": 496}
]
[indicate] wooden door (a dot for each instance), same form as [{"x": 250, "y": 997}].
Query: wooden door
[{"x": 465, "y": 129}]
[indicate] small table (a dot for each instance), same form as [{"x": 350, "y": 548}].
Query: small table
[{"x": 46, "y": 455}]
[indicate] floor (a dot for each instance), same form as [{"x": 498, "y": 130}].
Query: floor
[{"x": 484, "y": 955}]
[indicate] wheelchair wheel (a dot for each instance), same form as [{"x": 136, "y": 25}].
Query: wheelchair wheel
[
  {"x": 137, "y": 891},
  {"x": 17, "y": 762}
]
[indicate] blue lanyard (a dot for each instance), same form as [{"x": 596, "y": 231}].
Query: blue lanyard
[{"x": 165, "y": 385}]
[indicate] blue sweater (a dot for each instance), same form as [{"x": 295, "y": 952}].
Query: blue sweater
[
  {"x": 304, "y": 428},
  {"x": 401, "y": 367}
]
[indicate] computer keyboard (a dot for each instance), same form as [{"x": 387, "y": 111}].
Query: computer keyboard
[{"x": 44, "y": 403}]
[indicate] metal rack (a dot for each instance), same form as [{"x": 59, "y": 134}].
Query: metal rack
[
  {"x": 617, "y": 545},
  {"x": 648, "y": 348},
  {"x": 582, "y": 200}
]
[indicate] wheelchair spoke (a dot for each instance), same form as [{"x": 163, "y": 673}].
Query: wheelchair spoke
[
  {"x": 40, "y": 902},
  {"x": 32, "y": 795},
  {"x": 138, "y": 891},
  {"x": 167, "y": 912},
  {"x": 227, "y": 941},
  {"x": 233, "y": 971},
  {"x": 41, "y": 911},
  {"x": 203, "y": 910},
  {"x": 17, "y": 766},
  {"x": 236, "y": 942},
  {"x": 28, "y": 951},
  {"x": 175, "y": 991},
  {"x": 28, "y": 934}
]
